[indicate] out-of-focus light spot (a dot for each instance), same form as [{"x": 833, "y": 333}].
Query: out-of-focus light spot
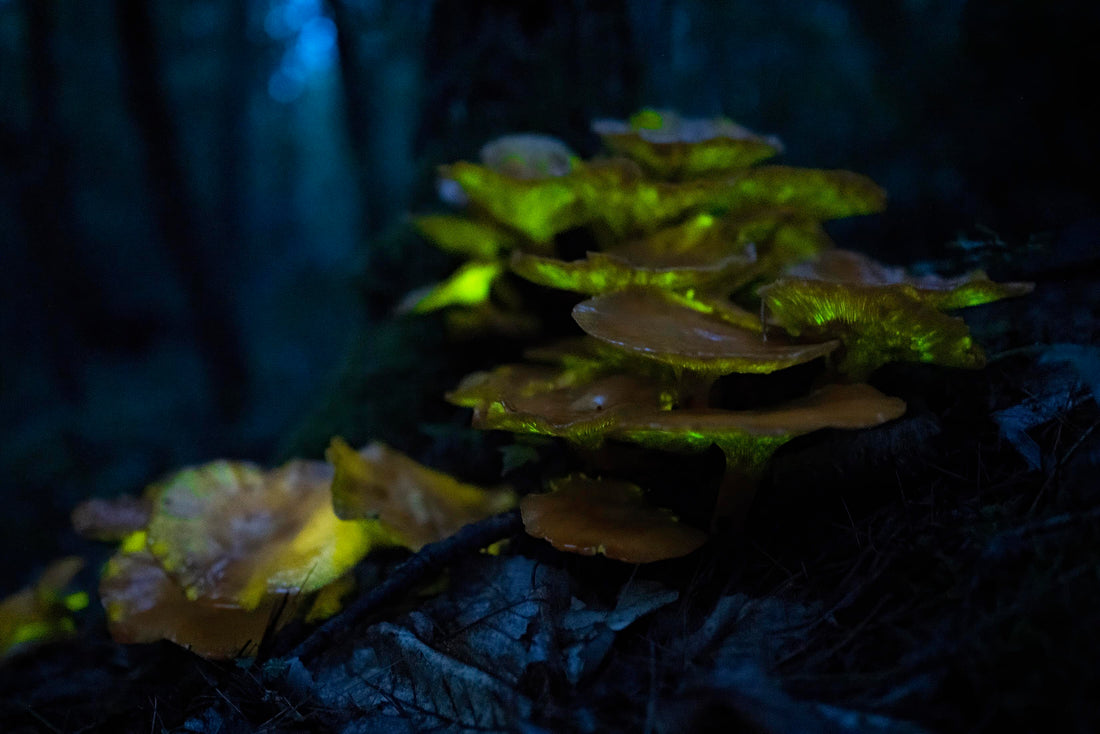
[
  {"x": 310, "y": 46},
  {"x": 287, "y": 17},
  {"x": 317, "y": 44},
  {"x": 283, "y": 87}
]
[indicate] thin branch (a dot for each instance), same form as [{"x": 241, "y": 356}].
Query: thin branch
[{"x": 429, "y": 560}]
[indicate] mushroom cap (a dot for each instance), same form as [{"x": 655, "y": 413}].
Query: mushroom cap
[
  {"x": 144, "y": 604},
  {"x": 648, "y": 324},
  {"x": 528, "y": 156},
  {"x": 876, "y": 324},
  {"x": 612, "y": 194},
  {"x": 590, "y": 516},
  {"x": 459, "y": 235},
  {"x": 750, "y": 437},
  {"x": 416, "y": 504},
  {"x": 604, "y": 272},
  {"x": 233, "y": 534},
  {"x": 470, "y": 285},
  {"x": 555, "y": 402},
  {"x": 854, "y": 268},
  {"x": 673, "y": 147}
]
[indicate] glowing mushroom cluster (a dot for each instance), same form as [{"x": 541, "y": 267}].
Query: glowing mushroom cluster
[
  {"x": 216, "y": 556},
  {"x": 702, "y": 264}
]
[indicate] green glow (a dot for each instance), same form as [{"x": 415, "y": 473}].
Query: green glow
[
  {"x": 602, "y": 273},
  {"x": 813, "y": 192},
  {"x": 470, "y": 285},
  {"x": 747, "y": 452},
  {"x": 617, "y": 198},
  {"x": 647, "y": 119},
  {"x": 133, "y": 542},
  {"x": 975, "y": 292},
  {"x": 76, "y": 601},
  {"x": 466, "y": 237},
  {"x": 877, "y": 325},
  {"x": 39, "y": 630}
]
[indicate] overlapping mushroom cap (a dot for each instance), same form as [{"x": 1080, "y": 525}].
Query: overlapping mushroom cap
[
  {"x": 616, "y": 196},
  {"x": 214, "y": 555},
  {"x": 649, "y": 324},
  {"x": 233, "y": 534},
  {"x": 881, "y": 314},
  {"x": 673, "y": 147},
  {"x": 547, "y": 401},
  {"x": 416, "y": 504},
  {"x": 945, "y": 294}
]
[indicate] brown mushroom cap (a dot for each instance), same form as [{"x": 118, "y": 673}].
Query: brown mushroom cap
[
  {"x": 417, "y": 504},
  {"x": 233, "y": 534},
  {"x": 749, "y": 437},
  {"x": 550, "y": 401},
  {"x": 646, "y": 323},
  {"x": 144, "y": 604},
  {"x": 590, "y": 516}
]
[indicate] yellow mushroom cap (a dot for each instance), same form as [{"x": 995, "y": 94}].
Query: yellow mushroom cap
[
  {"x": 590, "y": 516},
  {"x": 233, "y": 534}
]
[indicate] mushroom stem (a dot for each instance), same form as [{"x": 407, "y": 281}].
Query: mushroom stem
[
  {"x": 736, "y": 493},
  {"x": 694, "y": 389}
]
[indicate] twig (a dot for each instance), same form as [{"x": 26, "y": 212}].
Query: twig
[{"x": 428, "y": 560}]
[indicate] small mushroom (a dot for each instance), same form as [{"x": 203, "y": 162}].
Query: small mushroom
[
  {"x": 590, "y": 516},
  {"x": 417, "y": 505}
]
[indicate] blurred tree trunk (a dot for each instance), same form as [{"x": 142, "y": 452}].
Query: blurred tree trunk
[
  {"x": 234, "y": 113},
  {"x": 380, "y": 56},
  {"x": 71, "y": 302},
  {"x": 212, "y": 316}
]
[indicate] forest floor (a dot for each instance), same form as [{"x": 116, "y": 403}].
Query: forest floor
[{"x": 939, "y": 573}]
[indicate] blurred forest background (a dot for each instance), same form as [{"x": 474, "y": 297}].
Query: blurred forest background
[{"x": 203, "y": 203}]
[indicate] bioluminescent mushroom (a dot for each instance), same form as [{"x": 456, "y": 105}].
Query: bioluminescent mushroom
[
  {"x": 233, "y": 534},
  {"x": 672, "y": 147},
  {"x": 41, "y": 613}
]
